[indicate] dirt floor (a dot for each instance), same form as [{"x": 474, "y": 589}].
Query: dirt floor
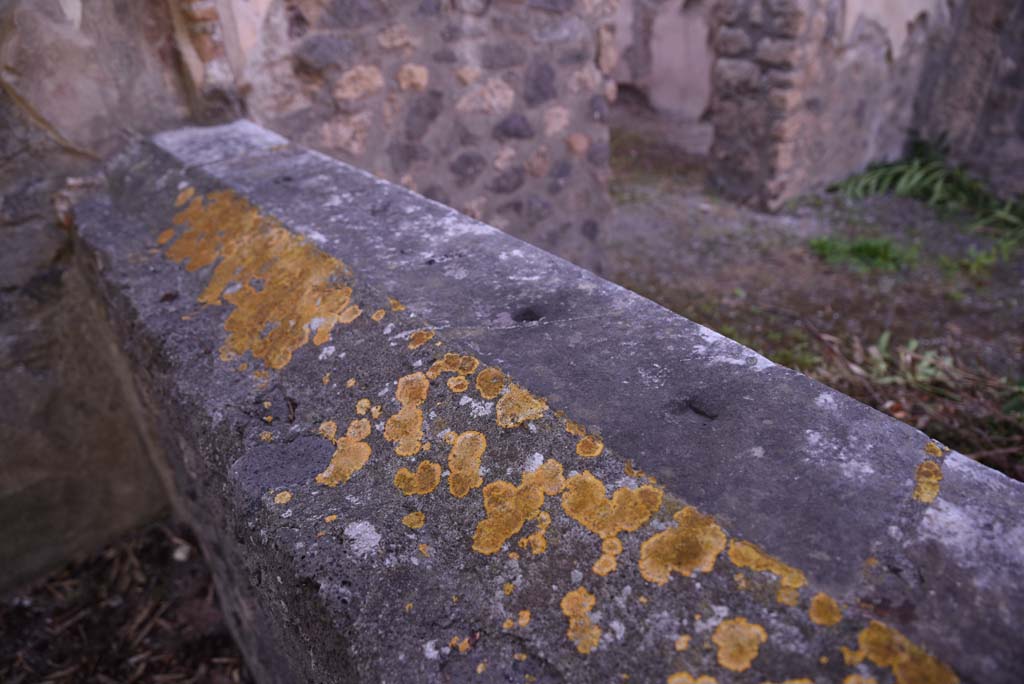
[
  {"x": 141, "y": 610},
  {"x": 928, "y": 326}
]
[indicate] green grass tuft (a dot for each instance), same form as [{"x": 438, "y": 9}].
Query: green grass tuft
[{"x": 864, "y": 254}]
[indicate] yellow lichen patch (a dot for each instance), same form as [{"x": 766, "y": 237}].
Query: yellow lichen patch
[
  {"x": 414, "y": 520},
  {"x": 379, "y": 315},
  {"x": 424, "y": 550},
  {"x": 537, "y": 542},
  {"x": 330, "y": 518},
  {"x": 933, "y": 449},
  {"x": 464, "y": 463},
  {"x": 802, "y": 680},
  {"x": 420, "y": 338},
  {"x": 481, "y": 667},
  {"x": 682, "y": 642},
  {"x": 395, "y": 304},
  {"x": 164, "y": 237},
  {"x": 520, "y": 656},
  {"x": 408, "y": 607},
  {"x": 746, "y": 555},
  {"x": 281, "y": 287},
  {"x": 589, "y": 447},
  {"x": 282, "y": 497},
  {"x": 824, "y": 610},
  {"x": 489, "y": 383},
  {"x": 687, "y": 678},
  {"x": 423, "y": 481},
  {"x": 513, "y": 555},
  {"x": 458, "y": 384},
  {"x": 693, "y": 544},
  {"x": 738, "y": 642},
  {"x": 859, "y": 679},
  {"x": 328, "y": 429},
  {"x": 523, "y": 619},
  {"x": 326, "y": 379},
  {"x": 349, "y": 314},
  {"x": 926, "y": 481},
  {"x": 266, "y": 436},
  {"x": 508, "y": 588},
  {"x": 910, "y": 664},
  {"x": 376, "y": 410},
  {"x": 517, "y": 406},
  {"x": 362, "y": 406},
  {"x": 628, "y": 510},
  {"x": 184, "y": 196},
  {"x": 405, "y": 428},
  {"x": 350, "y": 383},
  {"x": 576, "y": 605},
  {"x": 509, "y": 623},
  {"x": 462, "y": 364},
  {"x": 574, "y": 428},
  {"x": 350, "y": 454},
  {"x": 268, "y": 419},
  {"x": 509, "y": 507}
]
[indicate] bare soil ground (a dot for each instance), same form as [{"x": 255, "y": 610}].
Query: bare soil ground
[
  {"x": 141, "y": 610},
  {"x": 951, "y": 361}
]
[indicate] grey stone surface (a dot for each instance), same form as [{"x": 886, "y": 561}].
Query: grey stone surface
[{"x": 817, "y": 480}]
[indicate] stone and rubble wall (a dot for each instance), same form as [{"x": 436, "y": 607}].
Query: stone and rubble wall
[
  {"x": 496, "y": 109},
  {"x": 807, "y": 92},
  {"x": 973, "y": 93}
]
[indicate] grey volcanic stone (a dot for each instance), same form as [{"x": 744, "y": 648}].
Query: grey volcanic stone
[
  {"x": 318, "y": 52},
  {"x": 558, "y": 6},
  {"x": 539, "y": 84},
  {"x": 467, "y": 166},
  {"x": 423, "y": 111},
  {"x": 326, "y": 584},
  {"x": 515, "y": 125},
  {"x": 508, "y": 181}
]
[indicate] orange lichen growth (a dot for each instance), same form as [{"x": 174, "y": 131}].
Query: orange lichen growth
[
  {"x": 738, "y": 643},
  {"x": 627, "y": 510},
  {"x": 350, "y": 383},
  {"x": 350, "y": 454},
  {"x": 489, "y": 383},
  {"x": 537, "y": 542},
  {"x": 513, "y": 555},
  {"x": 395, "y": 304},
  {"x": 326, "y": 379},
  {"x": 933, "y": 449},
  {"x": 424, "y": 550},
  {"x": 523, "y": 619},
  {"x": 414, "y": 520},
  {"x": 376, "y": 410},
  {"x": 266, "y": 436},
  {"x": 268, "y": 419},
  {"x": 693, "y": 544},
  {"x": 166, "y": 236},
  {"x": 423, "y": 481},
  {"x": 508, "y": 507},
  {"x": 509, "y": 623},
  {"x": 682, "y": 642},
  {"x": 574, "y": 428},
  {"x": 362, "y": 406},
  {"x": 464, "y": 463},
  {"x": 405, "y": 428},
  {"x": 282, "y": 497},
  {"x": 824, "y": 610},
  {"x": 282, "y": 288},
  {"x": 926, "y": 481},
  {"x": 517, "y": 405},
  {"x": 462, "y": 364},
  {"x": 420, "y": 338},
  {"x": 462, "y": 645},
  {"x": 379, "y": 315},
  {"x": 746, "y": 555},
  {"x": 687, "y": 678},
  {"x": 859, "y": 679},
  {"x": 184, "y": 196},
  {"x": 328, "y": 429},
  {"x": 481, "y": 667},
  {"x": 576, "y": 605},
  {"x": 351, "y": 313},
  {"x": 330, "y": 518},
  {"x": 458, "y": 384},
  {"x": 520, "y": 656},
  {"x": 589, "y": 447},
  {"x": 508, "y": 588},
  {"x": 910, "y": 664}
]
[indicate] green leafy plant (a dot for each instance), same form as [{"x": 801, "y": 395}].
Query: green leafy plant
[{"x": 865, "y": 254}]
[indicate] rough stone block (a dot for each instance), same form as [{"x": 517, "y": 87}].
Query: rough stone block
[{"x": 418, "y": 449}]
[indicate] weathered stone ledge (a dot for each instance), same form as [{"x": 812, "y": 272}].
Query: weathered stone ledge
[{"x": 398, "y": 432}]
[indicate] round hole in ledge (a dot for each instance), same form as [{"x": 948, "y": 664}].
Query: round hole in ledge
[{"x": 527, "y": 314}]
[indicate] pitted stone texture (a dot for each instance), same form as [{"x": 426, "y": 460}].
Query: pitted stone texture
[
  {"x": 820, "y": 482},
  {"x": 455, "y": 79}
]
